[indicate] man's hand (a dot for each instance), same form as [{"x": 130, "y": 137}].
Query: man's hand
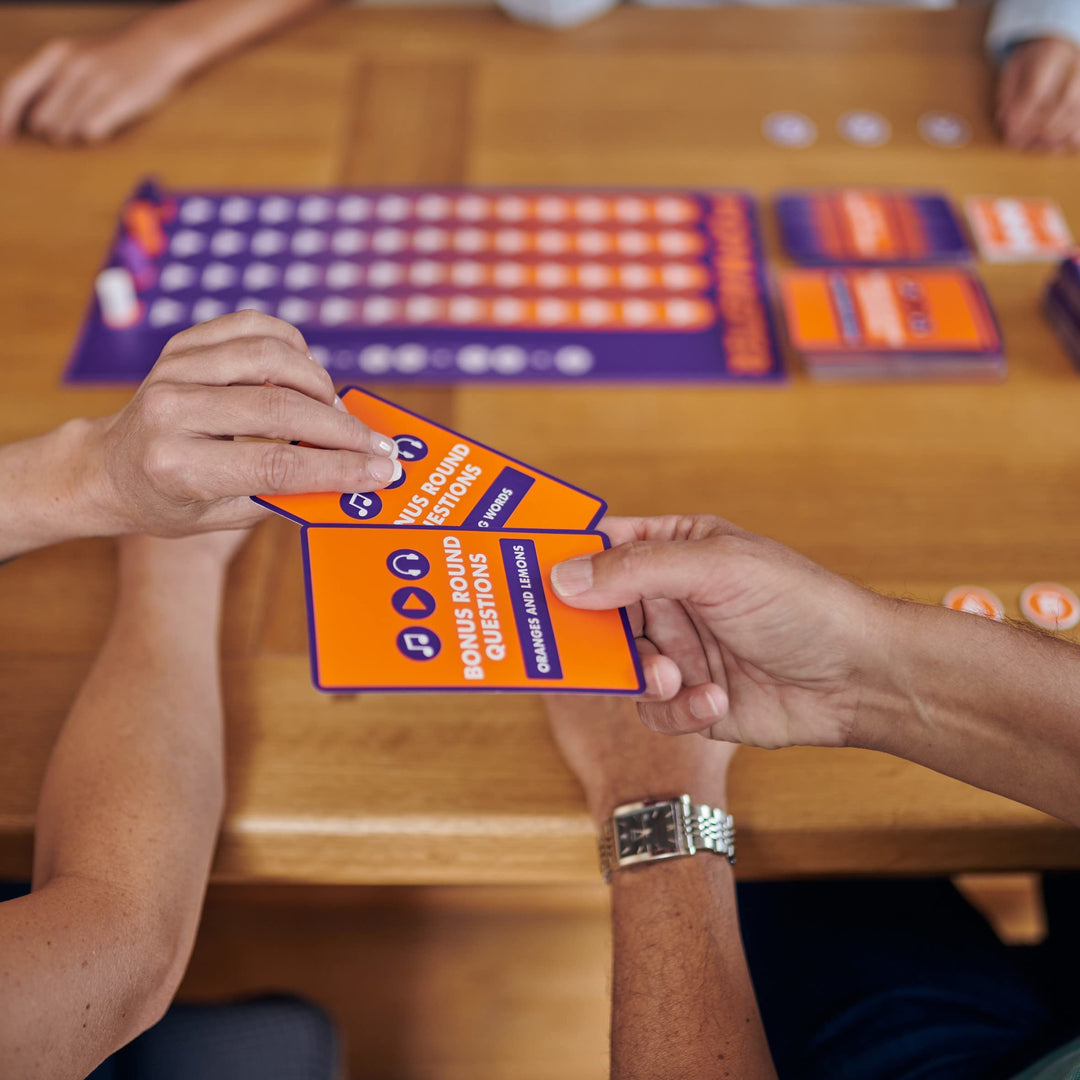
[
  {"x": 85, "y": 89},
  {"x": 1039, "y": 96},
  {"x": 170, "y": 462},
  {"x": 617, "y": 760},
  {"x": 738, "y": 635}
]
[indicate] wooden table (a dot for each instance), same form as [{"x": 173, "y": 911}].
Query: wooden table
[{"x": 913, "y": 489}]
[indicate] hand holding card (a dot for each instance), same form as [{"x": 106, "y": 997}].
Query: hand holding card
[
  {"x": 431, "y": 583},
  {"x": 394, "y": 608},
  {"x": 448, "y": 481}
]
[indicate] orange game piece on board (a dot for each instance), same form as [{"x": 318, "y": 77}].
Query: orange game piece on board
[
  {"x": 1050, "y": 606},
  {"x": 975, "y": 601}
]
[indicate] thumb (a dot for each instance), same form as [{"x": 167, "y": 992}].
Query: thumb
[{"x": 642, "y": 570}]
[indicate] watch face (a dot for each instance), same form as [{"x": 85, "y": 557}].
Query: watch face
[{"x": 652, "y": 831}]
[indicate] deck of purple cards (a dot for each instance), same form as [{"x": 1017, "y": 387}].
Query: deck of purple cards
[
  {"x": 871, "y": 226},
  {"x": 1062, "y": 305},
  {"x": 447, "y": 284}
]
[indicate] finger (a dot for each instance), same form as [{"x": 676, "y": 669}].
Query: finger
[
  {"x": 53, "y": 110},
  {"x": 107, "y": 118},
  {"x": 696, "y": 708},
  {"x": 251, "y": 361},
  {"x": 1037, "y": 89},
  {"x": 1062, "y": 122},
  {"x": 1009, "y": 86},
  {"x": 710, "y": 648},
  {"x": 270, "y": 412},
  {"x": 237, "y": 324},
  {"x": 26, "y": 83},
  {"x": 663, "y": 679},
  {"x": 202, "y": 470},
  {"x": 642, "y": 570},
  {"x": 622, "y": 530},
  {"x": 669, "y": 627},
  {"x": 96, "y": 94}
]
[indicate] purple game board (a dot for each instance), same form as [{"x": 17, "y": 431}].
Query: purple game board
[{"x": 444, "y": 285}]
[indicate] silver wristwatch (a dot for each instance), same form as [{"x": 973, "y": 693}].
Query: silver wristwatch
[{"x": 644, "y": 832}]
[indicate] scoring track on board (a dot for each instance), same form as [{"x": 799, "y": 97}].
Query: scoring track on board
[{"x": 443, "y": 285}]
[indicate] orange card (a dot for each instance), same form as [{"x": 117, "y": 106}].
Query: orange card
[
  {"x": 395, "y": 608},
  {"x": 448, "y": 481},
  {"x": 921, "y": 310},
  {"x": 1019, "y": 230}
]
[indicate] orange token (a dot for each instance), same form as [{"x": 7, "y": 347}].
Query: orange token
[
  {"x": 1050, "y": 606},
  {"x": 975, "y": 601}
]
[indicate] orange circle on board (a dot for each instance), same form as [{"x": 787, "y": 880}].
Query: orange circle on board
[
  {"x": 1050, "y": 606},
  {"x": 975, "y": 601}
]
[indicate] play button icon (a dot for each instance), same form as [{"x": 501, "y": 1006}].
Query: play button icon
[{"x": 413, "y": 602}]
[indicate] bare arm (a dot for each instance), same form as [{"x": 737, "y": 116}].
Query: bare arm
[
  {"x": 766, "y": 648},
  {"x": 49, "y": 490},
  {"x": 997, "y": 706},
  {"x": 85, "y": 89},
  {"x": 212, "y": 29},
  {"x": 126, "y": 826},
  {"x": 682, "y": 1001}
]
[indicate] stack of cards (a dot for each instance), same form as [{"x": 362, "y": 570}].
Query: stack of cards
[
  {"x": 851, "y": 323},
  {"x": 870, "y": 226},
  {"x": 442, "y": 581},
  {"x": 1062, "y": 306}
]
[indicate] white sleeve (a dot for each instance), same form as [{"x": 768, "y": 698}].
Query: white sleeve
[
  {"x": 1015, "y": 21},
  {"x": 557, "y": 13}
]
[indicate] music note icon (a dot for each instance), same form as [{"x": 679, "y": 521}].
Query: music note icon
[{"x": 419, "y": 644}]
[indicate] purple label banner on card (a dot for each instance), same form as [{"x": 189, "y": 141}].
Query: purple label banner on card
[
  {"x": 499, "y": 501},
  {"x": 538, "y": 648}
]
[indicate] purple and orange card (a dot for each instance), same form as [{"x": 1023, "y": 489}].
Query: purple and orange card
[
  {"x": 400, "y": 608},
  {"x": 447, "y": 481},
  {"x": 932, "y": 310},
  {"x": 441, "y": 581},
  {"x": 870, "y": 226}
]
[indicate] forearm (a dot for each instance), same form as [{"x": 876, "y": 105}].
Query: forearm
[
  {"x": 50, "y": 489},
  {"x": 683, "y": 1003},
  {"x": 994, "y": 705},
  {"x": 133, "y": 795},
  {"x": 203, "y": 31}
]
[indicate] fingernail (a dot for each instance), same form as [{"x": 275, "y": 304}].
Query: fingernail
[
  {"x": 652, "y": 683},
  {"x": 573, "y": 577},
  {"x": 707, "y": 704},
  {"x": 339, "y": 404},
  {"x": 386, "y": 446},
  {"x": 383, "y": 471}
]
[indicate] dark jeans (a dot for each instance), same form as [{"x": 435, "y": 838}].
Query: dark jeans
[
  {"x": 269, "y": 1038},
  {"x": 277, "y": 1038},
  {"x": 903, "y": 980}
]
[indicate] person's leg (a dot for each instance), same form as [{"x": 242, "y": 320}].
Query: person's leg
[
  {"x": 884, "y": 980},
  {"x": 274, "y": 1038}
]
